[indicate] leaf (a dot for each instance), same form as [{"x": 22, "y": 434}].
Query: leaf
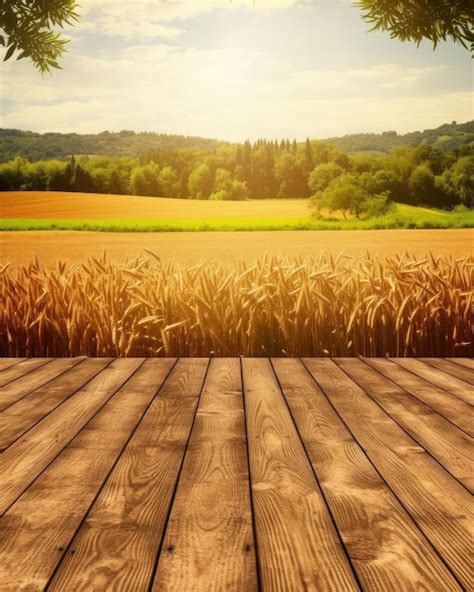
[{"x": 9, "y": 53}]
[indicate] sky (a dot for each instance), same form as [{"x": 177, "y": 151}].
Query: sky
[{"x": 237, "y": 69}]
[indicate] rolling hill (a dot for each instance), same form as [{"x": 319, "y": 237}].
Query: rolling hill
[{"x": 35, "y": 146}]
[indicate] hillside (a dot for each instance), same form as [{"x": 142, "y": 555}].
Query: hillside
[
  {"x": 447, "y": 137},
  {"x": 35, "y": 146}
]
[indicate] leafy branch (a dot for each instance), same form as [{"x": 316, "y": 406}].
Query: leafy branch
[{"x": 26, "y": 28}]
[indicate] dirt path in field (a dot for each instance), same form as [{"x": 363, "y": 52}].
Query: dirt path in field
[{"x": 21, "y": 247}]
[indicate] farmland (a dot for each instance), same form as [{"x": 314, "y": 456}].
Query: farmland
[
  {"x": 95, "y": 212},
  {"x": 275, "y": 306},
  {"x": 19, "y": 248}
]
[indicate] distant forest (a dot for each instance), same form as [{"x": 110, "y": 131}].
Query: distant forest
[
  {"x": 359, "y": 184},
  {"x": 34, "y": 146}
]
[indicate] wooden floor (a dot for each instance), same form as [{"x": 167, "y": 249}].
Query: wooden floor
[{"x": 197, "y": 475}]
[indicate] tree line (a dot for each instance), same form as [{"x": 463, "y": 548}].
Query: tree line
[{"x": 356, "y": 184}]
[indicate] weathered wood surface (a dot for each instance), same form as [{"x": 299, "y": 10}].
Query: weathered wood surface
[{"x": 226, "y": 474}]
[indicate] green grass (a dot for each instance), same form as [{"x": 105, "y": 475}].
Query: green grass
[{"x": 403, "y": 216}]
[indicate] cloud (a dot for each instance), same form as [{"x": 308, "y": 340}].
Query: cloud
[
  {"x": 228, "y": 93},
  {"x": 145, "y": 19}
]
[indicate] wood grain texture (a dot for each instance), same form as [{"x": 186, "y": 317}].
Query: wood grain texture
[
  {"x": 451, "y": 369},
  {"x": 439, "y": 505},
  {"x": 23, "y": 414},
  {"x": 8, "y": 362},
  {"x": 448, "y": 383},
  {"x": 455, "y": 410},
  {"x": 208, "y": 543},
  {"x": 448, "y": 444},
  {"x": 387, "y": 549},
  {"x": 37, "y": 529},
  {"x": 465, "y": 362},
  {"x": 298, "y": 545},
  {"x": 15, "y": 391},
  {"x": 18, "y": 370},
  {"x": 117, "y": 545},
  {"x": 24, "y": 460}
]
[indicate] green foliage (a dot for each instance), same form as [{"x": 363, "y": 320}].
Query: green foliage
[
  {"x": 26, "y": 29},
  {"x": 358, "y": 195},
  {"x": 459, "y": 180},
  {"x": 323, "y": 175},
  {"x": 200, "y": 182},
  {"x": 412, "y": 175},
  {"x": 447, "y": 137},
  {"x": 415, "y": 20}
]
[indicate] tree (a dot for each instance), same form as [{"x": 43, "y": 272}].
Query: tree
[
  {"x": 83, "y": 181},
  {"x": 290, "y": 175},
  {"x": 459, "y": 180},
  {"x": 343, "y": 194},
  {"x": 415, "y": 20},
  {"x": 144, "y": 180},
  {"x": 200, "y": 182},
  {"x": 347, "y": 194},
  {"x": 323, "y": 175},
  {"x": 27, "y": 27},
  {"x": 226, "y": 188},
  {"x": 421, "y": 184}
]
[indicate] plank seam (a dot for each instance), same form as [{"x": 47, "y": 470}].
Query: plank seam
[
  {"x": 14, "y": 363},
  {"x": 45, "y": 383},
  {"x": 252, "y": 507},
  {"x": 459, "y": 362},
  {"x": 412, "y": 394},
  {"x": 323, "y": 495},
  {"x": 396, "y": 497},
  {"x": 404, "y": 430},
  {"x": 114, "y": 392},
  {"x": 60, "y": 403},
  {"x": 119, "y": 455},
  {"x": 428, "y": 363},
  {"x": 28, "y": 371},
  {"x": 176, "y": 484},
  {"x": 449, "y": 393}
]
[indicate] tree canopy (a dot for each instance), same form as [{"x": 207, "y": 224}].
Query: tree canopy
[
  {"x": 415, "y": 20},
  {"x": 26, "y": 27}
]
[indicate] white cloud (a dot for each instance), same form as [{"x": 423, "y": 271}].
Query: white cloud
[
  {"x": 145, "y": 19},
  {"x": 227, "y": 93}
]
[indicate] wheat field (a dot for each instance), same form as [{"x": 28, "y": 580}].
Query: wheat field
[{"x": 324, "y": 306}]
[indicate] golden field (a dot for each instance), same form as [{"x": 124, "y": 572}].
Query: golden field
[
  {"x": 280, "y": 306},
  {"x": 67, "y": 205},
  {"x": 19, "y": 248}
]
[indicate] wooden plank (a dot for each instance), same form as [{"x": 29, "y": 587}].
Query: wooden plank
[
  {"x": 37, "y": 529},
  {"x": 22, "y": 415},
  {"x": 387, "y": 549},
  {"x": 117, "y": 545},
  {"x": 208, "y": 544},
  {"x": 455, "y": 410},
  {"x": 448, "y": 383},
  {"x": 465, "y": 362},
  {"x": 9, "y": 362},
  {"x": 447, "y": 443},
  {"x": 15, "y": 391},
  {"x": 440, "y": 506},
  {"x": 19, "y": 370},
  {"x": 452, "y": 369},
  {"x": 24, "y": 460},
  {"x": 298, "y": 545}
]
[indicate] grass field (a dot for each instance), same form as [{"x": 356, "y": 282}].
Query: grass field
[{"x": 95, "y": 212}]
